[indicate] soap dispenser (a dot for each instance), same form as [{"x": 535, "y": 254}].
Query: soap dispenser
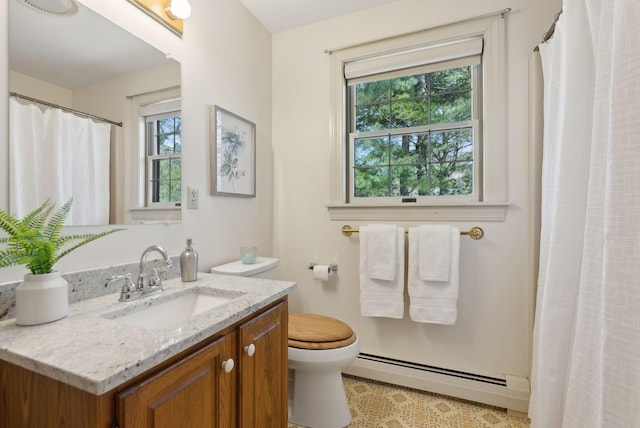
[{"x": 189, "y": 263}]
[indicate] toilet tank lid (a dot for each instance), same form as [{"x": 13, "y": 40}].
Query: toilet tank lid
[{"x": 238, "y": 268}]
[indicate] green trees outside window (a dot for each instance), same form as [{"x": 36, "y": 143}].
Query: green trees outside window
[
  {"x": 165, "y": 160},
  {"x": 414, "y": 135}
]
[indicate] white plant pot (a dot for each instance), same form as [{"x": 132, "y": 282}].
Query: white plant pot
[{"x": 41, "y": 299}]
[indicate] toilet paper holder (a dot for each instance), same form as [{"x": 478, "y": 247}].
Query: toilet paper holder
[{"x": 332, "y": 268}]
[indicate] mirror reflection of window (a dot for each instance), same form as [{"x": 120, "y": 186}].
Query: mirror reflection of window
[
  {"x": 83, "y": 66},
  {"x": 157, "y": 147},
  {"x": 163, "y": 136}
]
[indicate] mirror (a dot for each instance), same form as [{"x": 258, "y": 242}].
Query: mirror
[{"x": 88, "y": 64}]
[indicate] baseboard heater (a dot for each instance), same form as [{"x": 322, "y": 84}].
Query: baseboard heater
[
  {"x": 432, "y": 369},
  {"x": 510, "y": 392}
]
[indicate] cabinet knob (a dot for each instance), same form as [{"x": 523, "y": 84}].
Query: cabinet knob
[
  {"x": 228, "y": 365},
  {"x": 250, "y": 349}
]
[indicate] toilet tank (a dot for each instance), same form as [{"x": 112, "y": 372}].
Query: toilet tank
[{"x": 264, "y": 267}]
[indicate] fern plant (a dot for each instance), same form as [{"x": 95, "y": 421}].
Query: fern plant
[{"x": 36, "y": 242}]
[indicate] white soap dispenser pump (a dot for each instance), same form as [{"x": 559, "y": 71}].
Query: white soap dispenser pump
[{"x": 189, "y": 263}]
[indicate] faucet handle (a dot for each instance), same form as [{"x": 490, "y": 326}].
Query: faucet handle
[
  {"x": 127, "y": 277},
  {"x": 154, "y": 280},
  {"x": 128, "y": 287}
]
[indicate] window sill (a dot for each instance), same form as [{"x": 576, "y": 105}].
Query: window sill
[
  {"x": 474, "y": 211},
  {"x": 156, "y": 215}
]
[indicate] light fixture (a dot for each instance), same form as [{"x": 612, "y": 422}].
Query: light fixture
[
  {"x": 54, "y": 7},
  {"x": 169, "y": 13},
  {"x": 178, "y": 9}
]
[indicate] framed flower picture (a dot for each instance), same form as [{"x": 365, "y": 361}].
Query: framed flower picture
[{"x": 233, "y": 151}]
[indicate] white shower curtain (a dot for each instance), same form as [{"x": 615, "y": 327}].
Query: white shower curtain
[
  {"x": 586, "y": 356},
  {"x": 57, "y": 155}
]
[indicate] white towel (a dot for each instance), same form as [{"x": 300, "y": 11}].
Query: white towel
[
  {"x": 434, "y": 250},
  {"x": 433, "y": 301},
  {"x": 382, "y": 298},
  {"x": 382, "y": 251}
]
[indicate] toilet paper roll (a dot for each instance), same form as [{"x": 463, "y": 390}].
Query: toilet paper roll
[{"x": 321, "y": 272}]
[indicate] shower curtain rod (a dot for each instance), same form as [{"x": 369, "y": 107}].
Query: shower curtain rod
[
  {"x": 474, "y": 233},
  {"x": 67, "y": 109},
  {"x": 502, "y": 12},
  {"x": 550, "y": 31}
]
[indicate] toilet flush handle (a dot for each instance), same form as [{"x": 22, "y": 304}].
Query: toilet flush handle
[
  {"x": 228, "y": 365},
  {"x": 250, "y": 349}
]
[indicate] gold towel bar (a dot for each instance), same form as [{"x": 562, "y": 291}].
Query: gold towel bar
[{"x": 475, "y": 232}]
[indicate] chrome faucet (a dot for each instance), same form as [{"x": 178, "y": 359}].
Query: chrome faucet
[
  {"x": 145, "y": 285},
  {"x": 143, "y": 282}
]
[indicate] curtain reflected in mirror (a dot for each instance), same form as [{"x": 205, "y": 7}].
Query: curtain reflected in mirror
[{"x": 56, "y": 156}]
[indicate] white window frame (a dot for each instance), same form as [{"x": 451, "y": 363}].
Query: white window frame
[
  {"x": 473, "y": 123},
  {"x": 150, "y": 140},
  {"x": 139, "y": 211},
  {"x": 492, "y": 204}
]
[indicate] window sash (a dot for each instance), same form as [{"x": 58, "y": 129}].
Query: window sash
[
  {"x": 152, "y": 155},
  {"x": 154, "y": 182},
  {"x": 474, "y": 124}
]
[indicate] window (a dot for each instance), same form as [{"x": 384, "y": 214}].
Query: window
[
  {"x": 156, "y": 157},
  {"x": 415, "y": 135},
  {"x": 419, "y": 123},
  {"x": 163, "y": 136}
]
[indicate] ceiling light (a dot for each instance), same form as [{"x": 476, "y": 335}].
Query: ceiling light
[
  {"x": 178, "y": 9},
  {"x": 54, "y": 7}
]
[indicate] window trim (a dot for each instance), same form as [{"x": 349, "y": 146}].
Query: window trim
[
  {"x": 136, "y": 160},
  {"x": 493, "y": 205},
  {"x": 150, "y": 142}
]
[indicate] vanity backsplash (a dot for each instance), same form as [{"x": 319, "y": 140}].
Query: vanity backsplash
[{"x": 87, "y": 284}]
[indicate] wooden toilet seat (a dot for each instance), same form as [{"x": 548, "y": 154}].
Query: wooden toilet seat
[{"x": 313, "y": 331}]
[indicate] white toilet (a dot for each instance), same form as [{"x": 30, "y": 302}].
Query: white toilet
[{"x": 319, "y": 347}]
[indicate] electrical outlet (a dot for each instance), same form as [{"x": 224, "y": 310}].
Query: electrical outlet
[{"x": 192, "y": 198}]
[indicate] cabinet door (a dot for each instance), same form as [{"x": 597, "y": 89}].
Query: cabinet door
[
  {"x": 263, "y": 370},
  {"x": 197, "y": 391}
]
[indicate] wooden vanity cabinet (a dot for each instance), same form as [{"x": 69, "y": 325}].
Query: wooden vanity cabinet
[
  {"x": 190, "y": 390},
  {"x": 263, "y": 363},
  {"x": 194, "y": 392}
]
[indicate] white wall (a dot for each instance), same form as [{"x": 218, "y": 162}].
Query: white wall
[
  {"x": 226, "y": 60},
  {"x": 493, "y": 331},
  {"x": 26, "y": 85}
]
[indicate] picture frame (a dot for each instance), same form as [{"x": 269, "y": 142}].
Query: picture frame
[{"x": 233, "y": 154}]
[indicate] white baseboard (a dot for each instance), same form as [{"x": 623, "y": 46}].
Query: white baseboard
[{"x": 513, "y": 395}]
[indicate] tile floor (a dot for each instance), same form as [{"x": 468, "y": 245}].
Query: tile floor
[{"x": 380, "y": 405}]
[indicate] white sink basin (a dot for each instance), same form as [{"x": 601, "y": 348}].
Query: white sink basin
[{"x": 162, "y": 313}]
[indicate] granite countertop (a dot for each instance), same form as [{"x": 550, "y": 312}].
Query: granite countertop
[{"x": 96, "y": 354}]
